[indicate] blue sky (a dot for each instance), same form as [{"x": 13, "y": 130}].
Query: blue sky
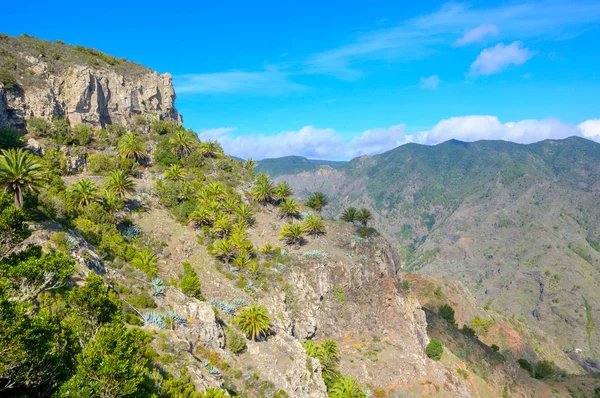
[{"x": 340, "y": 79}]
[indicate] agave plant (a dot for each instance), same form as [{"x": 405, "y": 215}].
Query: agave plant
[
  {"x": 158, "y": 287},
  {"x": 156, "y": 319}
]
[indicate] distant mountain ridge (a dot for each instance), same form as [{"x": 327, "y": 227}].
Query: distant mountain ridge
[
  {"x": 293, "y": 165},
  {"x": 518, "y": 224}
]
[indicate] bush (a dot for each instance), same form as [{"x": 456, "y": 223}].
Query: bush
[
  {"x": 39, "y": 126},
  {"x": 544, "y": 369},
  {"x": 468, "y": 331},
  {"x": 525, "y": 364},
  {"x": 235, "y": 341},
  {"x": 495, "y": 348},
  {"x": 447, "y": 313},
  {"x": 434, "y": 349},
  {"x": 83, "y": 134},
  {"x": 190, "y": 284},
  {"x": 7, "y": 78}
]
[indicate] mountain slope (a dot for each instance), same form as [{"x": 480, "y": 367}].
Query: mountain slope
[
  {"x": 293, "y": 165},
  {"x": 518, "y": 224}
]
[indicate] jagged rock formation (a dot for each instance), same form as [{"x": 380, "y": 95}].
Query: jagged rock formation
[
  {"x": 3, "y": 106},
  {"x": 83, "y": 91}
]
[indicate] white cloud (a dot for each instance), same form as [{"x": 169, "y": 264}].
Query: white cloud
[
  {"x": 431, "y": 82},
  {"x": 313, "y": 142},
  {"x": 476, "y": 35},
  {"x": 590, "y": 129},
  {"x": 422, "y": 36},
  {"x": 265, "y": 83},
  {"x": 495, "y": 59}
]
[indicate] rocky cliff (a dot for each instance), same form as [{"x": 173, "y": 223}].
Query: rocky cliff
[{"x": 55, "y": 80}]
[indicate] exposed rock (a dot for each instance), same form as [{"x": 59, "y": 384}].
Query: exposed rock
[{"x": 3, "y": 106}]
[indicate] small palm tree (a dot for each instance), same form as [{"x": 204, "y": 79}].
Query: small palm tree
[
  {"x": 201, "y": 216},
  {"x": 112, "y": 202},
  {"x": 254, "y": 321},
  {"x": 185, "y": 191},
  {"x": 131, "y": 146},
  {"x": 349, "y": 214},
  {"x": 175, "y": 173},
  {"x": 20, "y": 171},
  {"x": 182, "y": 143},
  {"x": 84, "y": 192},
  {"x": 9, "y": 138},
  {"x": 211, "y": 149},
  {"x": 120, "y": 182},
  {"x": 222, "y": 225},
  {"x": 214, "y": 393},
  {"x": 314, "y": 225},
  {"x": 145, "y": 260},
  {"x": 223, "y": 250},
  {"x": 216, "y": 190},
  {"x": 250, "y": 165},
  {"x": 282, "y": 191},
  {"x": 289, "y": 209},
  {"x": 346, "y": 387},
  {"x": 244, "y": 211},
  {"x": 263, "y": 190},
  {"x": 292, "y": 234},
  {"x": 363, "y": 216},
  {"x": 317, "y": 201}
]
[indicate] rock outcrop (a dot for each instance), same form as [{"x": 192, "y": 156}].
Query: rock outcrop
[
  {"x": 3, "y": 107},
  {"x": 92, "y": 96}
]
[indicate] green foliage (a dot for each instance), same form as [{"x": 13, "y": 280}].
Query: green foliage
[
  {"x": 447, "y": 312},
  {"x": 317, "y": 201},
  {"x": 525, "y": 364},
  {"x": 132, "y": 147},
  {"x": 289, "y": 208},
  {"x": 292, "y": 234},
  {"x": 346, "y": 387},
  {"x": 338, "y": 294},
  {"x": 112, "y": 364},
  {"x": 314, "y": 225},
  {"x": 327, "y": 352},
  {"x": 145, "y": 260},
  {"x": 120, "y": 182},
  {"x": 434, "y": 349},
  {"x": 495, "y": 348},
  {"x": 182, "y": 142},
  {"x": 83, "y": 134},
  {"x": 481, "y": 324},
  {"x": 263, "y": 190},
  {"x": 544, "y": 369},
  {"x": 254, "y": 321},
  {"x": 7, "y": 78},
  {"x": 13, "y": 229},
  {"x": 349, "y": 214},
  {"x": 283, "y": 190},
  {"x": 190, "y": 284},
  {"x": 9, "y": 138},
  {"x": 468, "y": 331},
  {"x": 83, "y": 192},
  {"x": 363, "y": 216},
  {"x": 235, "y": 341},
  {"x": 20, "y": 172},
  {"x": 505, "y": 223}
]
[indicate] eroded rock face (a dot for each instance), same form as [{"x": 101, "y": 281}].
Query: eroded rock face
[
  {"x": 3, "y": 107},
  {"x": 92, "y": 96}
]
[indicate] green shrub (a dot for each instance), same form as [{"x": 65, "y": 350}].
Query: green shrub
[
  {"x": 495, "y": 348},
  {"x": 190, "y": 284},
  {"x": 39, "y": 127},
  {"x": 434, "y": 349},
  {"x": 468, "y": 331},
  {"x": 338, "y": 294},
  {"x": 83, "y": 134},
  {"x": 7, "y": 78},
  {"x": 235, "y": 341},
  {"x": 544, "y": 369},
  {"x": 447, "y": 313},
  {"x": 525, "y": 364}
]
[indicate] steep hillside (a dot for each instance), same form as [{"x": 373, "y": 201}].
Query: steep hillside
[
  {"x": 293, "y": 165},
  {"x": 517, "y": 224},
  {"x": 83, "y": 85}
]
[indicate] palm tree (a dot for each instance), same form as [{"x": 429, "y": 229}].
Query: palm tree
[
  {"x": 130, "y": 146},
  {"x": 222, "y": 225},
  {"x": 282, "y": 191},
  {"x": 243, "y": 211},
  {"x": 175, "y": 173},
  {"x": 120, "y": 182},
  {"x": 211, "y": 149},
  {"x": 250, "y": 164},
  {"x": 363, "y": 216},
  {"x": 84, "y": 192},
  {"x": 346, "y": 387},
  {"x": 9, "y": 139},
  {"x": 145, "y": 260},
  {"x": 201, "y": 216},
  {"x": 254, "y": 321},
  {"x": 314, "y": 225},
  {"x": 289, "y": 208},
  {"x": 349, "y": 214},
  {"x": 213, "y": 393},
  {"x": 263, "y": 191},
  {"x": 182, "y": 143},
  {"x": 20, "y": 171},
  {"x": 223, "y": 250},
  {"x": 112, "y": 202},
  {"x": 292, "y": 234},
  {"x": 317, "y": 201}
]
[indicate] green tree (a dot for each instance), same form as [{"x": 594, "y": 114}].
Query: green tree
[
  {"x": 190, "y": 284},
  {"x": 120, "y": 182},
  {"x": 314, "y": 225},
  {"x": 434, "y": 349},
  {"x": 363, "y": 216},
  {"x": 235, "y": 341},
  {"x": 317, "y": 201},
  {"x": 20, "y": 172},
  {"x": 289, "y": 209},
  {"x": 13, "y": 229},
  {"x": 263, "y": 190},
  {"x": 544, "y": 369},
  {"x": 349, "y": 214},
  {"x": 113, "y": 364},
  {"x": 39, "y": 127},
  {"x": 211, "y": 149},
  {"x": 447, "y": 313},
  {"x": 254, "y": 321},
  {"x": 84, "y": 192},
  {"x": 182, "y": 143},
  {"x": 131, "y": 146},
  {"x": 292, "y": 234},
  {"x": 346, "y": 387},
  {"x": 250, "y": 165},
  {"x": 525, "y": 364},
  {"x": 7, "y": 78}
]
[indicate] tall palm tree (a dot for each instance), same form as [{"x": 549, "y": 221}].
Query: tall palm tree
[
  {"x": 314, "y": 225},
  {"x": 120, "y": 182},
  {"x": 182, "y": 143},
  {"x": 84, "y": 192},
  {"x": 363, "y": 216},
  {"x": 20, "y": 171},
  {"x": 254, "y": 321},
  {"x": 282, "y": 191},
  {"x": 263, "y": 191},
  {"x": 317, "y": 201},
  {"x": 349, "y": 214},
  {"x": 131, "y": 146},
  {"x": 175, "y": 173},
  {"x": 289, "y": 209},
  {"x": 346, "y": 387}
]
